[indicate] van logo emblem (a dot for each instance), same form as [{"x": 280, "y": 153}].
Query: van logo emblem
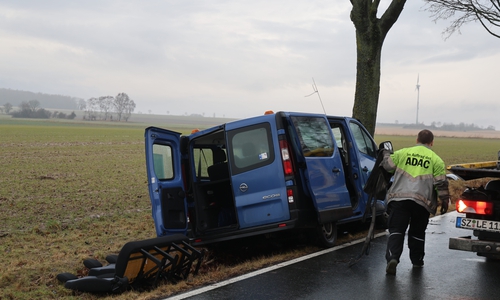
[{"x": 243, "y": 187}]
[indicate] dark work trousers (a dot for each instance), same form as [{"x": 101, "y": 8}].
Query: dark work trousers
[{"x": 402, "y": 213}]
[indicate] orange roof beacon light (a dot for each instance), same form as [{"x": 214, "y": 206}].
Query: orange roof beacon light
[
  {"x": 268, "y": 112},
  {"x": 194, "y": 131}
]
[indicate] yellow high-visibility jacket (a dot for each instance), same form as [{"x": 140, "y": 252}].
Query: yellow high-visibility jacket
[{"x": 419, "y": 175}]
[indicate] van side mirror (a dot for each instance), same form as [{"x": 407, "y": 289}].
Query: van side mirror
[{"x": 387, "y": 145}]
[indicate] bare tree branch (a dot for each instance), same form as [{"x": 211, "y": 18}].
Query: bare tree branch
[{"x": 460, "y": 12}]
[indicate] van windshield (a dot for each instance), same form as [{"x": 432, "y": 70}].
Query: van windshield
[{"x": 363, "y": 140}]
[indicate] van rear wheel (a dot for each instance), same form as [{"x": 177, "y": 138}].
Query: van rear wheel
[{"x": 327, "y": 234}]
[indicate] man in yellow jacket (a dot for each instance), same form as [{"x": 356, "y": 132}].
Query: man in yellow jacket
[{"x": 419, "y": 179}]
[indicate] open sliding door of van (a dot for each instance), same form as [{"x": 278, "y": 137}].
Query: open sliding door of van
[
  {"x": 165, "y": 182},
  {"x": 324, "y": 170},
  {"x": 360, "y": 156}
]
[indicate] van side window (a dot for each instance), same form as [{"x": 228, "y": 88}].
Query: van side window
[
  {"x": 340, "y": 139},
  {"x": 251, "y": 147},
  {"x": 162, "y": 161},
  {"x": 363, "y": 140},
  {"x": 314, "y": 135}
]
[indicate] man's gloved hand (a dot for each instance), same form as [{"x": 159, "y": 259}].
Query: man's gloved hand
[
  {"x": 386, "y": 152},
  {"x": 444, "y": 205}
]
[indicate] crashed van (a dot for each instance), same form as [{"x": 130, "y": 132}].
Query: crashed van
[{"x": 267, "y": 174}]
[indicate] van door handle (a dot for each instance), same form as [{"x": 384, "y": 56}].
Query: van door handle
[{"x": 336, "y": 170}]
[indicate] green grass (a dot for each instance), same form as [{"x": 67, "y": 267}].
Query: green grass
[
  {"x": 452, "y": 150},
  {"x": 67, "y": 193},
  {"x": 75, "y": 190}
]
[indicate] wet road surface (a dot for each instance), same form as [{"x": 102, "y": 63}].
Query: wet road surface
[{"x": 447, "y": 274}]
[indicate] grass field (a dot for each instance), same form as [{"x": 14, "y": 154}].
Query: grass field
[
  {"x": 453, "y": 150},
  {"x": 74, "y": 190}
]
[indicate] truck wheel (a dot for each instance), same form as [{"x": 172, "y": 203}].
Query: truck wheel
[
  {"x": 489, "y": 256},
  {"x": 327, "y": 234}
]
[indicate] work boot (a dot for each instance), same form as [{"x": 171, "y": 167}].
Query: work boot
[
  {"x": 391, "y": 267},
  {"x": 419, "y": 264}
]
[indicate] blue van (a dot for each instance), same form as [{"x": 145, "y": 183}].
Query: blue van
[{"x": 261, "y": 175}]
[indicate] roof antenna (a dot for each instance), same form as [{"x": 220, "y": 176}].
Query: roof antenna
[
  {"x": 418, "y": 95},
  {"x": 315, "y": 89}
]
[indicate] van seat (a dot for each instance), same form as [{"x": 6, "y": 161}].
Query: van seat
[
  {"x": 139, "y": 262},
  {"x": 219, "y": 169}
]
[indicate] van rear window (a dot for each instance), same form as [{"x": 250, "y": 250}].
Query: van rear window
[
  {"x": 251, "y": 147},
  {"x": 162, "y": 161}
]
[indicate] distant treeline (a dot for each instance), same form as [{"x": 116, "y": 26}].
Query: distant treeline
[
  {"x": 43, "y": 114},
  {"x": 16, "y": 97},
  {"x": 31, "y": 109},
  {"x": 103, "y": 108},
  {"x": 450, "y": 127}
]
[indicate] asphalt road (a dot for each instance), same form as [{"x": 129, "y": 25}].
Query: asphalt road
[{"x": 447, "y": 274}]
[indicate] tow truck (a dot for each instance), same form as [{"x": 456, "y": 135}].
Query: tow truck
[{"x": 479, "y": 209}]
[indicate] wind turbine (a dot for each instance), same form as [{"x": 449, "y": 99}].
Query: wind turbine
[{"x": 418, "y": 95}]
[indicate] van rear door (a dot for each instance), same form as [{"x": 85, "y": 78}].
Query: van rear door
[
  {"x": 325, "y": 177},
  {"x": 165, "y": 181},
  {"x": 258, "y": 181}
]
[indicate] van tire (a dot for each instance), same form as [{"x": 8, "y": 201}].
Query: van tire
[{"x": 327, "y": 234}]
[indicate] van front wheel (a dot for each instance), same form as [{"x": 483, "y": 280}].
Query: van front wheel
[{"x": 327, "y": 234}]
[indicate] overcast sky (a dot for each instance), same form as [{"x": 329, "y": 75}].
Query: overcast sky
[{"x": 240, "y": 58}]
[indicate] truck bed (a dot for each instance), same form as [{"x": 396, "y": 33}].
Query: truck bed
[{"x": 476, "y": 170}]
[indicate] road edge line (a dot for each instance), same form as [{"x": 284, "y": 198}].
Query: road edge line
[{"x": 267, "y": 269}]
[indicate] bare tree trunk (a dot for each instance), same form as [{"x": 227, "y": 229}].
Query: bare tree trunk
[
  {"x": 370, "y": 34},
  {"x": 367, "y": 81}
]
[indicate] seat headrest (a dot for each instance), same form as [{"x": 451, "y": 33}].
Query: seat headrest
[{"x": 219, "y": 155}]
